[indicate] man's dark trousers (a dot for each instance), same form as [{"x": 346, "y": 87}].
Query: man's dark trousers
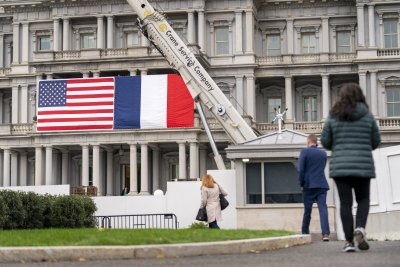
[{"x": 311, "y": 195}]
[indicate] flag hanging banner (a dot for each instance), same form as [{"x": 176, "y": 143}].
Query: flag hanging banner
[{"x": 127, "y": 102}]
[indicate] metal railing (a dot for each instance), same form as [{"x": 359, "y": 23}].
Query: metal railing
[{"x": 139, "y": 221}]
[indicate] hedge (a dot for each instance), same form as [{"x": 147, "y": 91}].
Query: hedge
[{"x": 21, "y": 210}]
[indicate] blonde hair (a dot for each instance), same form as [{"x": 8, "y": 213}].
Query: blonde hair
[{"x": 207, "y": 181}]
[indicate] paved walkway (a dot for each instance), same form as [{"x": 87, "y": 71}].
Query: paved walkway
[{"x": 381, "y": 254}]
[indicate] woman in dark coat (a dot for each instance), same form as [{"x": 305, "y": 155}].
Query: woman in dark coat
[{"x": 351, "y": 133}]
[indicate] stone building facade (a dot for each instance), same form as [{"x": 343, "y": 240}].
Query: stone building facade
[{"x": 262, "y": 53}]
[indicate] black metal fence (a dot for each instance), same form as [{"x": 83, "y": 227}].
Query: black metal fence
[{"x": 140, "y": 221}]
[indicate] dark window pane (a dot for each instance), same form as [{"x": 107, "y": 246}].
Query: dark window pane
[
  {"x": 253, "y": 183},
  {"x": 281, "y": 183}
]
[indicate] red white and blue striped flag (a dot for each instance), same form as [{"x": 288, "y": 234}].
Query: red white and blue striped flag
[{"x": 154, "y": 101}]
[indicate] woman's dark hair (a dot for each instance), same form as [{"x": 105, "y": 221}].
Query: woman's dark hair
[{"x": 349, "y": 95}]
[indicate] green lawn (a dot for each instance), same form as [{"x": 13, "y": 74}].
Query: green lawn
[{"x": 83, "y": 237}]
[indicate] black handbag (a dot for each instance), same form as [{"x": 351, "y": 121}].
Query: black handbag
[
  {"x": 202, "y": 215},
  {"x": 223, "y": 201}
]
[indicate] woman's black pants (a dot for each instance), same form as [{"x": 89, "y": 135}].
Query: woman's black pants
[{"x": 345, "y": 186}]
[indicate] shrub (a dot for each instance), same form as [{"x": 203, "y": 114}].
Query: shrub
[
  {"x": 34, "y": 207},
  {"x": 20, "y": 210},
  {"x": 198, "y": 225},
  {"x": 90, "y": 208},
  {"x": 16, "y": 213},
  {"x": 3, "y": 212}
]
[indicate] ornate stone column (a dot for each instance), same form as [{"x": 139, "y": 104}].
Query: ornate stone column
[
  {"x": 6, "y": 167},
  {"x": 190, "y": 33},
  {"x": 56, "y": 39},
  {"x": 194, "y": 160},
  {"x": 201, "y": 31},
  {"x": 143, "y": 72},
  {"x": 289, "y": 98},
  {"x": 363, "y": 82},
  {"x": 239, "y": 32},
  {"x": 374, "y": 92},
  {"x": 156, "y": 168},
  {"x": 249, "y": 32},
  {"x": 325, "y": 35},
  {"x": 14, "y": 168},
  {"x": 133, "y": 169},
  {"x": 85, "y": 165},
  {"x": 15, "y": 106},
  {"x": 49, "y": 165},
  {"x": 144, "y": 170},
  {"x": 23, "y": 177},
  {"x": 1, "y": 50},
  {"x": 371, "y": 24},
  {"x": 203, "y": 161},
  {"x": 38, "y": 165},
  {"x": 64, "y": 167},
  {"x": 110, "y": 172},
  {"x": 289, "y": 37},
  {"x": 15, "y": 43},
  {"x": 25, "y": 43},
  {"x": 325, "y": 96},
  {"x": 110, "y": 32},
  {"x": 239, "y": 94},
  {"x": 100, "y": 32},
  {"x": 360, "y": 25},
  {"x": 24, "y": 103},
  {"x": 250, "y": 96},
  {"x": 1, "y": 108},
  {"x": 66, "y": 34},
  {"x": 182, "y": 160},
  {"x": 96, "y": 167}
]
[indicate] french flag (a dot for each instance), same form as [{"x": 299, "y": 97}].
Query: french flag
[{"x": 152, "y": 101}]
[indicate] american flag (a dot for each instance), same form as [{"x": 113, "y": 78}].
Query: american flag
[{"x": 75, "y": 104}]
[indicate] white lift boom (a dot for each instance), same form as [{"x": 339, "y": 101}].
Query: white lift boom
[{"x": 201, "y": 86}]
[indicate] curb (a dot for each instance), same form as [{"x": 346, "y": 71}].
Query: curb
[{"x": 91, "y": 253}]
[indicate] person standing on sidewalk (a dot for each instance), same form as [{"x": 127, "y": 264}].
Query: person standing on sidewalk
[
  {"x": 351, "y": 133},
  {"x": 312, "y": 162},
  {"x": 210, "y": 191}
]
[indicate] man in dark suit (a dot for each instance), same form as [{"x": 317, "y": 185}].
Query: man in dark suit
[{"x": 313, "y": 182}]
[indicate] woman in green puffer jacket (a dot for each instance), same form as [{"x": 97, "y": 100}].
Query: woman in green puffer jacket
[{"x": 351, "y": 133}]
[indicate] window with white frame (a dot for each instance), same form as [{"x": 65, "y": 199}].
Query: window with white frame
[
  {"x": 87, "y": 40},
  {"x": 272, "y": 182},
  {"x": 393, "y": 102},
  {"x": 273, "y": 103},
  {"x": 222, "y": 40},
  {"x": 343, "y": 41},
  {"x": 43, "y": 43},
  {"x": 273, "y": 45},
  {"x": 390, "y": 33},
  {"x": 131, "y": 38},
  {"x": 310, "y": 111},
  {"x": 308, "y": 43}
]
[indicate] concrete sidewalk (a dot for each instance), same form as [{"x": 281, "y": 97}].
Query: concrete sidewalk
[{"x": 89, "y": 253}]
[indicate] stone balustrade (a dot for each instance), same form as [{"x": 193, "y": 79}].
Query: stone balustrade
[
  {"x": 388, "y": 52},
  {"x": 306, "y": 58},
  {"x": 389, "y": 123},
  {"x": 22, "y": 128}
]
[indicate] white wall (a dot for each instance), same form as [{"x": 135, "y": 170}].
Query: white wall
[
  {"x": 41, "y": 190},
  {"x": 181, "y": 198}
]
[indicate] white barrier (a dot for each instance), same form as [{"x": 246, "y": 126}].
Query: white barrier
[
  {"x": 42, "y": 189},
  {"x": 181, "y": 198}
]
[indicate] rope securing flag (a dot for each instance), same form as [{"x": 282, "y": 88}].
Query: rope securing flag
[{"x": 127, "y": 102}]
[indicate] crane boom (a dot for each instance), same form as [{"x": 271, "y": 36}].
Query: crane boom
[{"x": 201, "y": 86}]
